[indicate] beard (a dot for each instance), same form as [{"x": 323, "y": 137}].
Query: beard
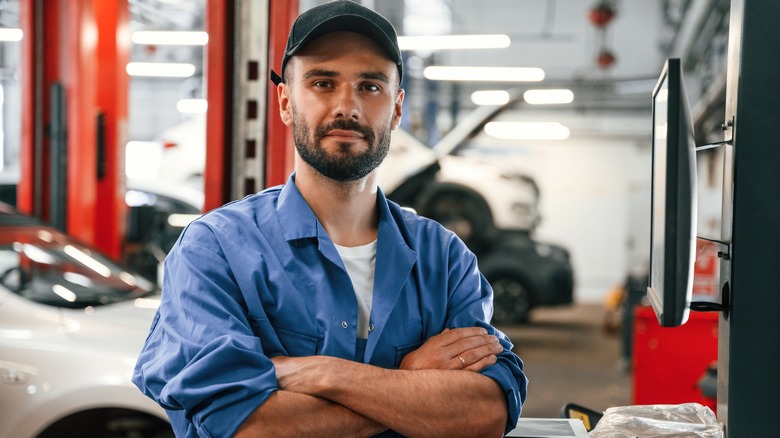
[{"x": 343, "y": 165}]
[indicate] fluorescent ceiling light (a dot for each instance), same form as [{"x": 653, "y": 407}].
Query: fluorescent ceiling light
[
  {"x": 501, "y": 74},
  {"x": 542, "y": 97},
  {"x": 490, "y": 97},
  {"x": 9, "y": 34},
  {"x": 527, "y": 130},
  {"x": 160, "y": 69},
  {"x": 192, "y": 106},
  {"x": 453, "y": 42},
  {"x": 169, "y": 38}
]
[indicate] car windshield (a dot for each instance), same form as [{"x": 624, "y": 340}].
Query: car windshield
[{"x": 48, "y": 267}]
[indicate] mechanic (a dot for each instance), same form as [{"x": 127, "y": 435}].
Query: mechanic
[{"x": 319, "y": 308}]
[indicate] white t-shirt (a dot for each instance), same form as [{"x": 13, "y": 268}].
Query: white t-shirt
[{"x": 360, "y": 262}]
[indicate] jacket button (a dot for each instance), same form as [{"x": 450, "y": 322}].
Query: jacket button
[
  {"x": 344, "y": 324},
  {"x": 371, "y": 327}
]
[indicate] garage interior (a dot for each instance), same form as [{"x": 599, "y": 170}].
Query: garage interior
[{"x": 86, "y": 132}]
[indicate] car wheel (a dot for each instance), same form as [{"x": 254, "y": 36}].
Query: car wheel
[
  {"x": 464, "y": 213},
  {"x": 511, "y": 300},
  {"x": 109, "y": 423}
]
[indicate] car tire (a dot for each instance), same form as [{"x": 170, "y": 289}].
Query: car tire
[
  {"x": 513, "y": 296},
  {"x": 109, "y": 423},
  {"x": 463, "y": 212}
]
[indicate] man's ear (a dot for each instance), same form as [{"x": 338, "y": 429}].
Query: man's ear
[
  {"x": 398, "y": 108},
  {"x": 285, "y": 103}
]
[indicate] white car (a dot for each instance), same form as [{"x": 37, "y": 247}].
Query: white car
[
  {"x": 472, "y": 198},
  {"x": 494, "y": 211},
  {"x": 71, "y": 326}
]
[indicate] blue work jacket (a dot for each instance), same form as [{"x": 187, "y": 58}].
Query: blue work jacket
[{"x": 260, "y": 277}]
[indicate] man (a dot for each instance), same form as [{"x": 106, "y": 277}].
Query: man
[{"x": 319, "y": 308}]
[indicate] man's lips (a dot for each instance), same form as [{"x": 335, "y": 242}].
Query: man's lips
[{"x": 345, "y": 134}]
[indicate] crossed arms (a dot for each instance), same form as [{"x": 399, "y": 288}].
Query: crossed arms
[{"x": 434, "y": 393}]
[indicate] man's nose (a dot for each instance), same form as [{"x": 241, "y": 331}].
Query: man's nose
[{"x": 347, "y": 104}]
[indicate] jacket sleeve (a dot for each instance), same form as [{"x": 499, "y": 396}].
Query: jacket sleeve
[
  {"x": 201, "y": 359},
  {"x": 470, "y": 303}
]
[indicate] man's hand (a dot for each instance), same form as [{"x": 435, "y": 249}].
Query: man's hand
[
  {"x": 299, "y": 374},
  {"x": 469, "y": 348}
]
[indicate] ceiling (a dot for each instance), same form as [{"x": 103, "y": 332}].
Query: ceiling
[
  {"x": 559, "y": 37},
  {"x": 555, "y": 35}
]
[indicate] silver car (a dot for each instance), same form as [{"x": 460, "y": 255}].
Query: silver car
[{"x": 71, "y": 325}]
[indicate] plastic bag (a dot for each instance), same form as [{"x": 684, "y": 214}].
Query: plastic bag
[{"x": 650, "y": 421}]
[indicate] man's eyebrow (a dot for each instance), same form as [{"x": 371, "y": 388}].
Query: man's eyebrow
[
  {"x": 377, "y": 76},
  {"x": 320, "y": 72}
]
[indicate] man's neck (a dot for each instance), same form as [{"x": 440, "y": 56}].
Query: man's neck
[{"x": 347, "y": 210}]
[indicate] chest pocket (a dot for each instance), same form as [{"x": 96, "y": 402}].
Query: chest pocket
[
  {"x": 281, "y": 342},
  {"x": 297, "y": 344}
]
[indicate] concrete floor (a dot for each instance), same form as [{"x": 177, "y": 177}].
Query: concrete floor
[{"x": 569, "y": 357}]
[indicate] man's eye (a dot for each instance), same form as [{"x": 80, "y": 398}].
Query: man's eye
[
  {"x": 322, "y": 84},
  {"x": 371, "y": 87}
]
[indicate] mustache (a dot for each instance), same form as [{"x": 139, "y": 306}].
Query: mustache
[{"x": 347, "y": 125}]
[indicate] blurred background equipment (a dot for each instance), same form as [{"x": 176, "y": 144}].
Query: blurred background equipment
[{"x": 494, "y": 211}]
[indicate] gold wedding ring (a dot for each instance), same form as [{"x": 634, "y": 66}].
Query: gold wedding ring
[{"x": 463, "y": 361}]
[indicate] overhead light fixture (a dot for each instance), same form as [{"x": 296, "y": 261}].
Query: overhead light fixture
[
  {"x": 543, "y": 97},
  {"x": 527, "y": 130},
  {"x": 10, "y": 34},
  {"x": 497, "y": 74},
  {"x": 490, "y": 97},
  {"x": 453, "y": 42},
  {"x": 160, "y": 69},
  {"x": 192, "y": 106},
  {"x": 170, "y": 38}
]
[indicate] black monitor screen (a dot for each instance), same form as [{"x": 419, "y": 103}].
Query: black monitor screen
[{"x": 673, "y": 217}]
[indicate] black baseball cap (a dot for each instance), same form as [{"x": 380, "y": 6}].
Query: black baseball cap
[{"x": 341, "y": 15}]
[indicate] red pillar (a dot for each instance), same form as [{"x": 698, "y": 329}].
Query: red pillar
[
  {"x": 80, "y": 43},
  {"x": 40, "y": 69},
  {"x": 218, "y": 72},
  {"x": 60, "y": 46},
  {"x": 113, "y": 54},
  {"x": 280, "y": 148}
]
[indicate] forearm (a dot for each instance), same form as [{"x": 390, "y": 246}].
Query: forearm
[
  {"x": 414, "y": 403},
  {"x": 290, "y": 414}
]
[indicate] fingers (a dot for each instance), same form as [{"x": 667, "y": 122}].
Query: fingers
[
  {"x": 474, "y": 353},
  {"x": 455, "y": 349},
  {"x": 478, "y": 353},
  {"x": 471, "y": 343},
  {"x": 451, "y": 336},
  {"x": 482, "y": 363}
]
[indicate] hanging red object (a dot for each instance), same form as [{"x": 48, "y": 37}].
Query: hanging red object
[
  {"x": 605, "y": 59},
  {"x": 601, "y": 14}
]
